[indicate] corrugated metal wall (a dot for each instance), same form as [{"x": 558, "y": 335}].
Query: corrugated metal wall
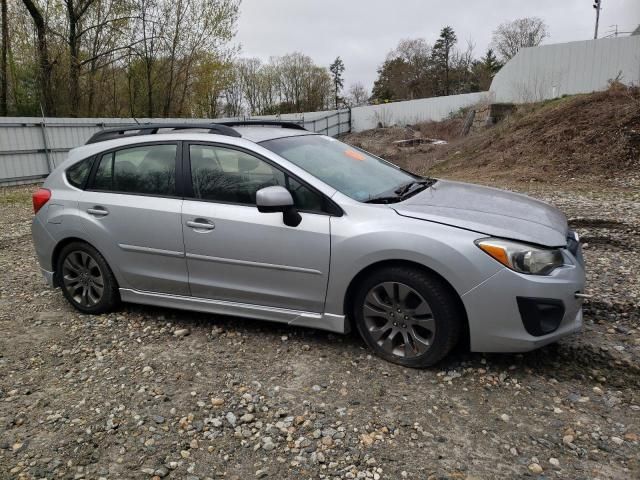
[
  {"x": 413, "y": 111},
  {"x": 31, "y": 147},
  {"x": 550, "y": 71}
]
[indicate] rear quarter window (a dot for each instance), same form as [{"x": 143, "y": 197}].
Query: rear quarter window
[{"x": 77, "y": 174}]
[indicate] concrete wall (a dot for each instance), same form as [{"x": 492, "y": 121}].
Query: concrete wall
[
  {"x": 550, "y": 71},
  {"x": 412, "y": 111}
]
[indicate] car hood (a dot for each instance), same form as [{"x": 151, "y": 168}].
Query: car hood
[{"x": 489, "y": 211}]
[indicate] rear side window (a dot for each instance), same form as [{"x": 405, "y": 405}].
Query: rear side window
[
  {"x": 148, "y": 169},
  {"x": 77, "y": 174}
]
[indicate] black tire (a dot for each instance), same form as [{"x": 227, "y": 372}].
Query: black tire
[
  {"x": 408, "y": 331},
  {"x": 87, "y": 279}
]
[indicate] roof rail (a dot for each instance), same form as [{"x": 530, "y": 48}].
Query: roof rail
[
  {"x": 153, "y": 128},
  {"x": 265, "y": 123}
]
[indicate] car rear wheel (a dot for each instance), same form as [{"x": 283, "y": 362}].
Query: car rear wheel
[
  {"x": 86, "y": 280},
  {"x": 407, "y": 316}
]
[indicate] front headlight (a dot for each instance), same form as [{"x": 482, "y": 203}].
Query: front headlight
[{"x": 521, "y": 257}]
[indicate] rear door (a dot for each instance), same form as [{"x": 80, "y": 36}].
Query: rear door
[
  {"x": 235, "y": 253},
  {"x": 132, "y": 213}
]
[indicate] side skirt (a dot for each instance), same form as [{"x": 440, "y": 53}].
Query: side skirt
[{"x": 321, "y": 321}]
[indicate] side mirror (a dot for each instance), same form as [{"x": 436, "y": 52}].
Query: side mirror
[{"x": 278, "y": 199}]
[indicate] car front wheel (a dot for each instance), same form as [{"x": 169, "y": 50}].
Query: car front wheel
[{"x": 407, "y": 316}]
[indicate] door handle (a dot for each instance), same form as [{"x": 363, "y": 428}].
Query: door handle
[
  {"x": 200, "y": 224},
  {"x": 98, "y": 211}
]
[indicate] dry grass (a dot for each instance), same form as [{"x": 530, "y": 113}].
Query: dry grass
[
  {"x": 583, "y": 136},
  {"x": 16, "y": 195},
  {"x": 448, "y": 130}
]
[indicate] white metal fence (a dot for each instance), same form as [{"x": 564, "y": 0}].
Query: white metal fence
[
  {"x": 550, "y": 71},
  {"x": 30, "y": 148},
  {"x": 413, "y": 111}
]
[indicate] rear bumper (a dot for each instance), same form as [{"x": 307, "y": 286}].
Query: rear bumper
[
  {"x": 43, "y": 243},
  {"x": 48, "y": 276},
  {"x": 495, "y": 319}
]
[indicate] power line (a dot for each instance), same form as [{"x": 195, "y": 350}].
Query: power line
[{"x": 615, "y": 30}]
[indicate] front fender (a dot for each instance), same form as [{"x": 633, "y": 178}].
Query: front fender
[{"x": 448, "y": 251}]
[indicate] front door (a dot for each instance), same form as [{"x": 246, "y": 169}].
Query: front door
[
  {"x": 132, "y": 214},
  {"x": 235, "y": 253}
]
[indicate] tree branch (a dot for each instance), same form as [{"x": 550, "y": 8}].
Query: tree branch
[{"x": 108, "y": 52}]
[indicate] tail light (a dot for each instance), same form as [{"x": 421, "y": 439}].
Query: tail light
[{"x": 40, "y": 198}]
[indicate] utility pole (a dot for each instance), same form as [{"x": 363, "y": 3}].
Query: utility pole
[{"x": 597, "y": 4}]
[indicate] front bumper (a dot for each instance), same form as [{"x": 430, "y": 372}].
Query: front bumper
[{"x": 495, "y": 321}]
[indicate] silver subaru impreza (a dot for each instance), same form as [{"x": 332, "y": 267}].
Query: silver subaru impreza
[{"x": 270, "y": 221}]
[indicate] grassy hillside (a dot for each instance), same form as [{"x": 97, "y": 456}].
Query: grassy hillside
[{"x": 595, "y": 136}]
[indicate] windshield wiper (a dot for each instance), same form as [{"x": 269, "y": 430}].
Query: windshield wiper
[
  {"x": 384, "y": 199},
  {"x": 414, "y": 187},
  {"x": 403, "y": 191}
]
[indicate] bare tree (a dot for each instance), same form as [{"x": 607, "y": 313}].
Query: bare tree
[
  {"x": 45, "y": 65},
  {"x": 269, "y": 89},
  {"x": 4, "y": 70},
  {"x": 462, "y": 62},
  {"x": 249, "y": 70},
  {"x": 76, "y": 9},
  {"x": 146, "y": 33},
  {"x": 288, "y": 84},
  {"x": 114, "y": 57},
  {"x": 510, "y": 37},
  {"x": 357, "y": 95},
  {"x": 191, "y": 26},
  {"x": 105, "y": 43},
  {"x": 234, "y": 98},
  {"x": 416, "y": 54}
]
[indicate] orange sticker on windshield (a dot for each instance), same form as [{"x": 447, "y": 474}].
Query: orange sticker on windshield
[{"x": 354, "y": 155}]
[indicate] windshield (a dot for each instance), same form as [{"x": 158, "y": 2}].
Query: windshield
[{"x": 349, "y": 170}]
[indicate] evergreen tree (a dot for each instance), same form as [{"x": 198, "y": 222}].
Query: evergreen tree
[
  {"x": 442, "y": 53},
  {"x": 485, "y": 69},
  {"x": 337, "y": 69},
  {"x": 491, "y": 62},
  {"x": 392, "y": 81}
]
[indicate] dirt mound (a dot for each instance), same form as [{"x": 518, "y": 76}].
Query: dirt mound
[
  {"x": 387, "y": 142},
  {"x": 595, "y": 135}
]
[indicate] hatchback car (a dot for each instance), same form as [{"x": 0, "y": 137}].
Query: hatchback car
[{"x": 274, "y": 222}]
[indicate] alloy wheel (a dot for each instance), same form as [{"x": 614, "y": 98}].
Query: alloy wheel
[
  {"x": 82, "y": 278},
  {"x": 399, "y": 319}
]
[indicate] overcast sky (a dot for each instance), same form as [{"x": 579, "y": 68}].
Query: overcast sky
[{"x": 363, "y": 31}]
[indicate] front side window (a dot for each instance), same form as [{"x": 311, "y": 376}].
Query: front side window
[
  {"x": 227, "y": 175},
  {"x": 351, "y": 171},
  {"x": 148, "y": 169}
]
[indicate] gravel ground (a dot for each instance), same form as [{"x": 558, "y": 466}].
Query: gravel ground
[{"x": 148, "y": 392}]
